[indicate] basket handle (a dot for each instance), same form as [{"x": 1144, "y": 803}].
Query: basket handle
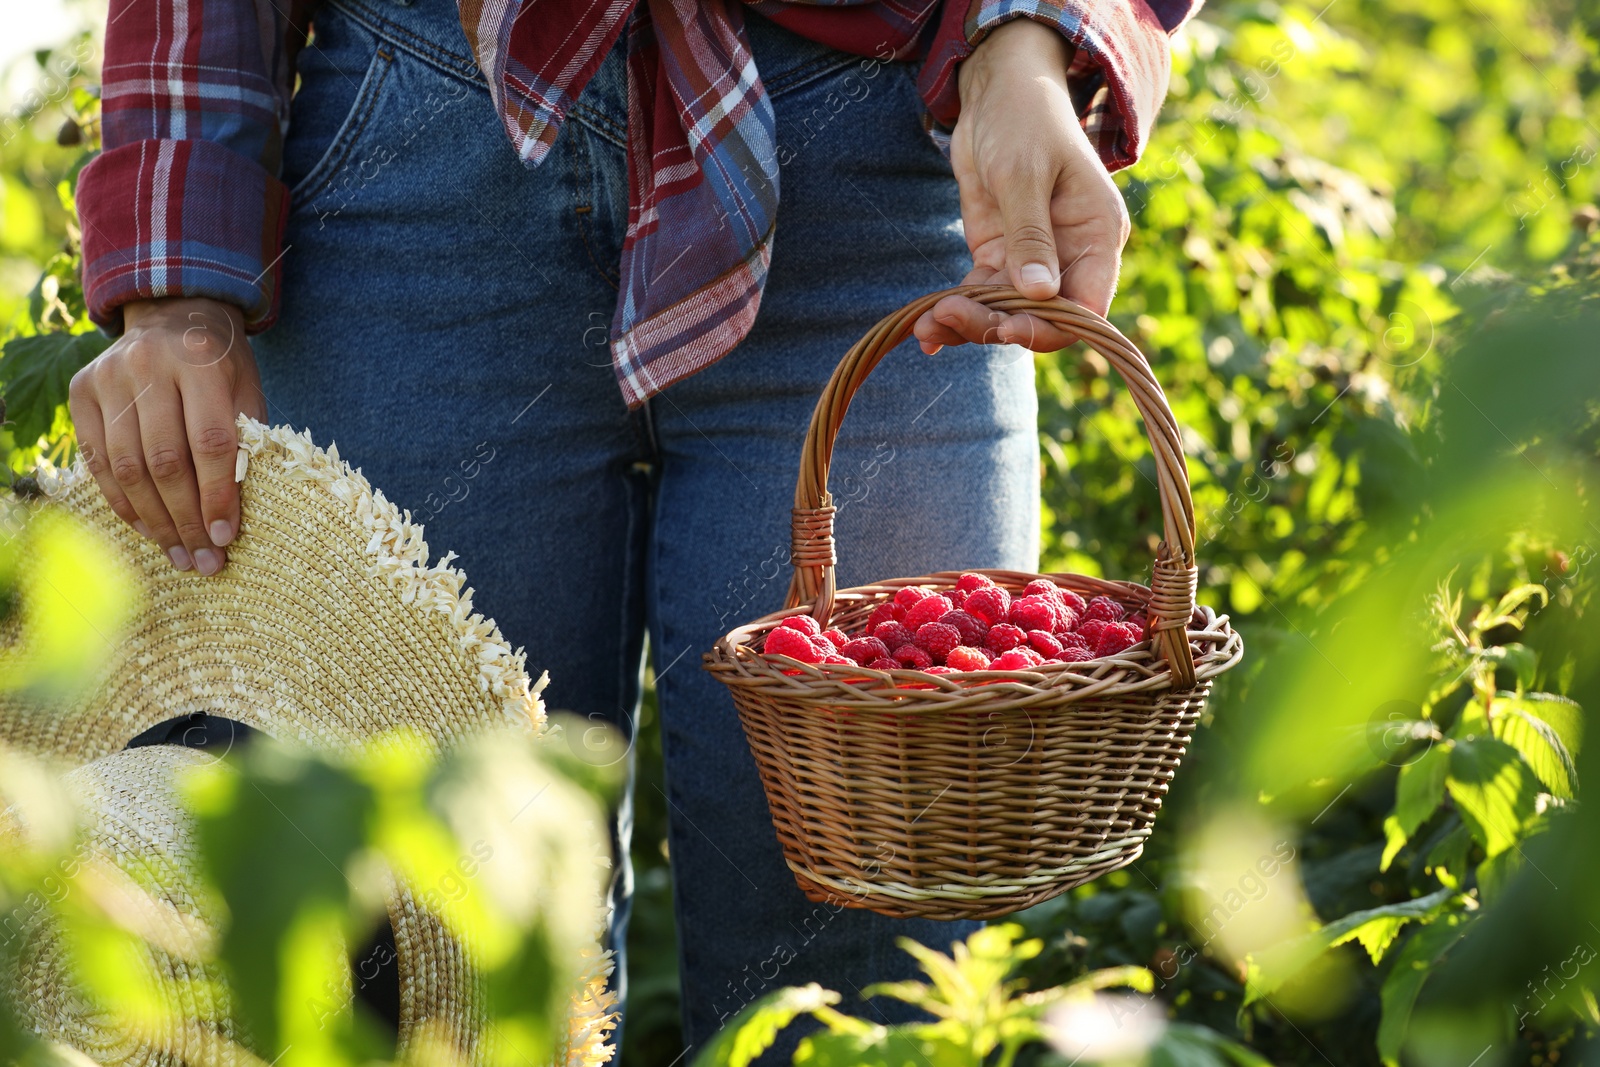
[{"x": 1172, "y": 583}]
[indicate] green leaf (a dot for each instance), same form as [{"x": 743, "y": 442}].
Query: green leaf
[
  {"x": 1564, "y": 716},
  {"x": 35, "y": 373},
  {"x": 755, "y": 1028},
  {"x": 909, "y": 1046},
  {"x": 1182, "y": 1044},
  {"x": 277, "y": 833},
  {"x": 1493, "y": 790},
  {"x": 1417, "y": 956},
  {"x": 1375, "y": 928},
  {"x": 1448, "y": 858},
  {"x": 1512, "y": 608},
  {"x": 1418, "y": 794},
  {"x": 1541, "y": 746}
]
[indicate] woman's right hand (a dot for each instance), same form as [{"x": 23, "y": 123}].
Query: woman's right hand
[{"x": 155, "y": 417}]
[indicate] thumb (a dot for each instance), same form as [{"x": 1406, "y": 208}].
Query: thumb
[{"x": 1031, "y": 256}]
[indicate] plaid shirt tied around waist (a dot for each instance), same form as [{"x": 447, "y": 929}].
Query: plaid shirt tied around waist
[{"x": 185, "y": 199}]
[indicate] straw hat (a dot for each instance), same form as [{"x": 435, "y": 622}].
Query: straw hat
[{"x": 328, "y": 629}]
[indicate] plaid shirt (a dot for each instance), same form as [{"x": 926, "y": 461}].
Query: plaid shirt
[{"x": 185, "y": 199}]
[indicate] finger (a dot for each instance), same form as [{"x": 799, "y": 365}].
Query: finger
[
  {"x": 1031, "y": 257},
  {"x": 89, "y": 422},
  {"x": 213, "y": 437},
  {"x": 125, "y": 455},
  {"x": 960, "y": 319},
  {"x": 1034, "y": 333},
  {"x": 1091, "y": 276},
  {"x": 171, "y": 468}
]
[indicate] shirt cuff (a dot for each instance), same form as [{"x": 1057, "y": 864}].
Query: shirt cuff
[
  {"x": 1118, "y": 77},
  {"x": 180, "y": 218}
]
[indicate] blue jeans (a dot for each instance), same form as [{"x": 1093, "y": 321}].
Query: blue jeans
[{"x": 444, "y": 320}]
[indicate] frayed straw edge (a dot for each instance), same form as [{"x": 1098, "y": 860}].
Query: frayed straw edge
[{"x": 395, "y": 549}]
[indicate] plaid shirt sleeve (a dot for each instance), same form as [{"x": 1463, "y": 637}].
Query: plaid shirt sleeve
[
  {"x": 1118, "y": 76},
  {"x": 184, "y": 200}
]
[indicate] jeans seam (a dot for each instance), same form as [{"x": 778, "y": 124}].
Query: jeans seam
[
  {"x": 301, "y": 194},
  {"x": 443, "y": 59}
]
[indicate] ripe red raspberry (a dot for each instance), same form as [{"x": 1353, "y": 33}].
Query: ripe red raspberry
[
  {"x": 972, "y": 628},
  {"x": 936, "y": 669},
  {"x": 1075, "y": 654},
  {"x": 1090, "y": 630},
  {"x": 1072, "y": 600},
  {"x": 836, "y": 637},
  {"x": 971, "y": 583},
  {"x": 957, "y": 597},
  {"x": 894, "y": 634},
  {"x": 1066, "y": 619},
  {"x": 1033, "y": 613},
  {"x": 1077, "y": 641},
  {"x": 1018, "y": 659},
  {"x": 909, "y": 596},
  {"x": 1004, "y": 638},
  {"x": 1041, "y": 587},
  {"x": 881, "y": 614},
  {"x": 804, "y": 623},
  {"x": 834, "y": 657},
  {"x": 788, "y": 641},
  {"x": 928, "y": 609},
  {"x": 1044, "y": 643},
  {"x": 937, "y": 639},
  {"x": 913, "y": 657},
  {"x": 967, "y": 658},
  {"x": 885, "y": 664},
  {"x": 866, "y": 649},
  {"x": 1103, "y": 607},
  {"x": 1138, "y": 623},
  {"x": 1116, "y": 637},
  {"x": 991, "y": 604}
]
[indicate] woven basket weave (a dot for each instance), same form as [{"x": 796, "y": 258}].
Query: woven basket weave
[{"x": 975, "y": 794}]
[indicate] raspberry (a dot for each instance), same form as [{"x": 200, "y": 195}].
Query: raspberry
[
  {"x": 1044, "y": 643},
  {"x": 929, "y": 609},
  {"x": 836, "y": 637},
  {"x": 967, "y": 658},
  {"x": 1075, "y": 654},
  {"x": 1103, "y": 607},
  {"x": 884, "y": 664},
  {"x": 1090, "y": 630},
  {"x": 1018, "y": 659},
  {"x": 787, "y": 641},
  {"x": 894, "y": 634},
  {"x": 991, "y": 604},
  {"x": 957, "y": 597},
  {"x": 1116, "y": 637},
  {"x": 937, "y": 640},
  {"x": 1004, "y": 638},
  {"x": 1139, "y": 624},
  {"x": 971, "y": 583},
  {"x": 1041, "y": 587},
  {"x": 1072, "y": 600},
  {"x": 972, "y": 628},
  {"x": 804, "y": 623},
  {"x": 1066, "y": 619},
  {"x": 881, "y": 614},
  {"x": 1033, "y": 613},
  {"x": 913, "y": 657},
  {"x": 1075, "y": 641},
  {"x": 834, "y": 657},
  {"x": 864, "y": 650},
  {"x": 910, "y": 595},
  {"x": 936, "y": 669}
]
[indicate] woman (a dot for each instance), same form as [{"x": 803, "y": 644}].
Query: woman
[{"x": 588, "y": 362}]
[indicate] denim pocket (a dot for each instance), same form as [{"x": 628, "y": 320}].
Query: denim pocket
[{"x": 332, "y": 110}]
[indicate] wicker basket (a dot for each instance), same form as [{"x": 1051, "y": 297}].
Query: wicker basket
[{"x": 973, "y": 795}]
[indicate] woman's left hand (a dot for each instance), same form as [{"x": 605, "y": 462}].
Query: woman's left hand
[{"x": 1039, "y": 209}]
